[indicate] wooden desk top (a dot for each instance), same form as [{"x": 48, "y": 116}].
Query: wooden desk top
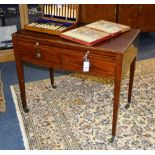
[{"x": 117, "y": 44}]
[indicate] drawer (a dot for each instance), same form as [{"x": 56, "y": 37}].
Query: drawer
[
  {"x": 102, "y": 66},
  {"x": 38, "y": 54}
]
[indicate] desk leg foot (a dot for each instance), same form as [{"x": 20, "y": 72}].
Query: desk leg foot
[
  {"x": 127, "y": 105},
  {"x": 26, "y": 110},
  {"x": 112, "y": 139},
  {"x": 54, "y": 87}
]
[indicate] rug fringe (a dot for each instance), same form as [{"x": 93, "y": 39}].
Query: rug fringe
[
  {"x": 2, "y": 104},
  {"x": 21, "y": 123}
]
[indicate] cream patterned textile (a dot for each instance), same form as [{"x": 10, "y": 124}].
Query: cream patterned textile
[{"x": 78, "y": 114}]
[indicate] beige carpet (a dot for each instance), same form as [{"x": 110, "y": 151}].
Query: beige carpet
[
  {"x": 78, "y": 114},
  {"x": 2, "y": 100}
]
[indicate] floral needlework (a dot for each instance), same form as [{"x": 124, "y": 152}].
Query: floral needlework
[{"x": 78, "y": 113}]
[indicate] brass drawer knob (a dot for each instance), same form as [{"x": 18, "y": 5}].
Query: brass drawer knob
[{"x": 38, "y": 54}]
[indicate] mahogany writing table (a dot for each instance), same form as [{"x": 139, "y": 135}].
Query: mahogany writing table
[{"x": 108, "y": 59}]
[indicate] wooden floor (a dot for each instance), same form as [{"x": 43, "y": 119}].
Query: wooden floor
[{"x": 6, "y": 55}]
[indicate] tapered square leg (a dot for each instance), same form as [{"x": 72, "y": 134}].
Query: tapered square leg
[
  {"x": 52, "y": 77},
  {"x": 117, "y": 88},
  {"x": 20, "y": 73},
  {"x": 132, "y": 72}
]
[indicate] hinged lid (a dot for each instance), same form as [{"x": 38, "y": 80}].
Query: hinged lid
[{"x": 57, "y": 18}]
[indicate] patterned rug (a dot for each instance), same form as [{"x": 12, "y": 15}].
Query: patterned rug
[
  {"x": 78, "y": 113},
  {"x": 2, "y": 100}
]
